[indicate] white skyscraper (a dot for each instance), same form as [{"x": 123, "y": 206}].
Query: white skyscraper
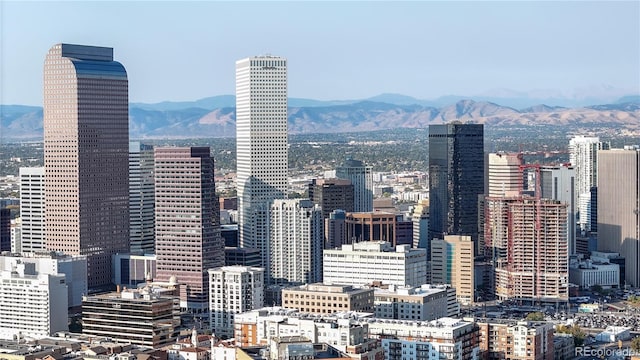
[
  {"x": 141, "y": 198},
  {"x": 261, "y": 138},
  {"x": 32, "y": 209},
  {"x": 296, "y": 242},
  {"x": 583, "y": 155}
]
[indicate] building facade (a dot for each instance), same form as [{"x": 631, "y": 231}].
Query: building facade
[
  {"x": 73, "y": 268},
  {"x": 558, "y": 183},
  {"x": 583, "y": 155},
  {"x": 31, "y": 305},
  {"x": 361, "y": 176},
  {"x": 618, "y": 215},
  {"x": 452, "y": 262},
  {"x": 141, "y": 198},
  {"x": 526, "y": 340},
  {"x": 425, "y": 303},
  {"x": 335, "y": 230},
  {"x": 233, "y": 290},
  {"x": 376, "y": 261},
  {"x": 32, "y": 209},
  {"x": 295, "y": 242},
  {"x": 188, "y": 241},
  {"x": 261, "y": 146},
  {"x": 535, "y": 266},
  {"x": 86, "y": 141},
  {"x": 456, "y": 179},
  {"x": 332, "y": 194},
  {"x": 135, "y": 316},
  {"x": 327, "y": 299}
]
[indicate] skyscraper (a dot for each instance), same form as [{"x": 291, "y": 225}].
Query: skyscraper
[
  {"x": 188, "y": 242},
  {"x": 456, "y": 178},
  {"x": 504, "y": 175},
  {"x": 5, "y": 229},
  {"x": 261, "y": 140},
  {"x": 141, "y": 198},
  {"x": 86, "y": 143},
  {"x": 32, "y": 209},
  {"x": 331, "y": 194},
  {"x": 296, "y": 242},
  {"x": 558, "y": 183},
  {"x": 452, "y": 263},
  {"x": 583, "y": 156},
  {"x": 361, "y": 177},
  {"x": 618, "y": 213}
]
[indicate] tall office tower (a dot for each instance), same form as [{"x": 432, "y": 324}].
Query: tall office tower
[
  {"x": 32, "y": 209},
  {"x": 296, "y": 242},
  {"x": 5, "y": 229},
  {"x": 456, "y": 179},
  {"x": 558, "y": 183},
  {"x": 535, "y": 266},
  {"x": 332, "y": 194},
  {"x": 86, "y": 140},
  {"x": 187, "y": 241},
  {"x": 234, "y": 290},
  {"x": 504, "y": 177},
  {"x": 141, "y": 198},
  {"x": 452, "y": 262},
  {"x": 583, "y": 156},
  {"x": 335, "y": 229},
  {"x": 261, "y": 146},
  {"x": 618, "y": 214},
  {"x": 361, "y": 177}
]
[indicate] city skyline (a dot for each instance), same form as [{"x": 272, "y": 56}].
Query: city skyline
[{"x": 420, "y": 49}]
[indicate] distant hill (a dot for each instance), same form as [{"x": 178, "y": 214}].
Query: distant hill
[{"x": 215, "y": 117}]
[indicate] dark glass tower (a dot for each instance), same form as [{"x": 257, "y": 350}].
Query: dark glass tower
[{"x": 456, "y": 178}]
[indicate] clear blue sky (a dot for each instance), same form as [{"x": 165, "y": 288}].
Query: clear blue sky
[{"x": 336, "y": 50}]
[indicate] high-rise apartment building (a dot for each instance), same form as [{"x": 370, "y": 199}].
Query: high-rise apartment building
[
  {"x": 583, "y": 155},
  {"x": 361, "y": 176},
  {"x": 32, "y": 209},
  {"x": 558, "y": 183},
  {"x": 456, "y": 179},
  {"x": 233, "y": 290},
  {"x": 187, "y": 241},
  {"x": 261, "y": 146},
  {"x": 331, "y": 194},
  {"x": 618, "y": 214},
  {"x": 534, "y": 263},
  {"x": 452, "y": 262},
  {"x": 141, "y": 198},
  {"x": 86, "y": 142},
  {"x": 296, "y": 242}
]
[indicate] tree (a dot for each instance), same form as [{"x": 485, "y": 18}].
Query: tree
[
  {"x": 535, "y": 316},
  {"x": 575, "y": 331},
  {"x": 635, "y": 343}
]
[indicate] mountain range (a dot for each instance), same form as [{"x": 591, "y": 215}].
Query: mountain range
[{"x": 215, "y": 116}]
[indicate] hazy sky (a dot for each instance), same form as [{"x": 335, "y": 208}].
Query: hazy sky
[{"x": 336, "y": 50}]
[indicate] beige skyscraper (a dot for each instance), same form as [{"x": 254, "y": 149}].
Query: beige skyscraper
[
  {"x": 618, "y": 213},
  {"x": 86, "y": 143},
  {"x": 452, "y": 263}
]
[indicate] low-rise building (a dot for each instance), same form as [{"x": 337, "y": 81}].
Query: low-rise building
[
  {"x": 446, "y": 338},
  {"x": 526, "y": 340},
  {"x": 426, "y": 302},
  {"x": 375, "y": 261},
  {"x": 326, "y": 299},
  {"x": 147, "y": 316},
  {"x": 598, "y": 271}
]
